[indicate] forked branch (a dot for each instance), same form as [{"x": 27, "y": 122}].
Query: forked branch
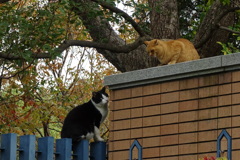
[
  {"x": 123, "y": 14},
  {"x": 214, "y": 26}
]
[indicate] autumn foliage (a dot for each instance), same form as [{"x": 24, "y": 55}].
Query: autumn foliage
[
  {"x": 37, "y": 93},
  {"x": 37, "y": 100}
]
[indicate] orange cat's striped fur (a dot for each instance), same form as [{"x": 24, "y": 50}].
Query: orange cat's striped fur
[{"x": 172, "y": 51}]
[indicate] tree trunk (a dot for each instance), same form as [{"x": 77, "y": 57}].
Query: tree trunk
[
  {"x": 100, "y": 29},
  {"x": 208, "y": 34},
  {"x": 164, "y": 24},
  {"x": 164, "y": 19}
]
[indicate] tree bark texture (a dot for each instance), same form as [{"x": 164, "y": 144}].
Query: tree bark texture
[
  {"x": 164, "y": 24},
  {"x": 100, "y": 30},
  {"x": 209, "y": 34},
  {"x": 164, "y": 19}
]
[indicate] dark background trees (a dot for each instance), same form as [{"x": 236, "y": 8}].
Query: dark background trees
[
  {"x": 199, "y": 21},
  {"x": 118, "y": 35}
]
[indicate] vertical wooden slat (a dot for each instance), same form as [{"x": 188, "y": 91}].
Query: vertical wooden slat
[
  {"x": 63, "y": 149},
  {"x": 27, "y": 147},
  {"x": 98, "y": 151},
  {"x": 81, "y": 151},
  {"x": 45, "y": 148},
  {"x": 8, "y": 146}
]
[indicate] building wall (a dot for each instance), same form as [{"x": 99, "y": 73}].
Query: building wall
[{"x": 176, "y": 119}]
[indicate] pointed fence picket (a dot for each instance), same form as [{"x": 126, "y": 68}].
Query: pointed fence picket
[
  {"x": 224, "y": 133},
  {"x": 45, "y": 149}
]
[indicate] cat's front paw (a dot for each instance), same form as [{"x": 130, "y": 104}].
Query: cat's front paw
[
  {"x": 98, "y": 139},
  {"x": 172, "y": 62}
]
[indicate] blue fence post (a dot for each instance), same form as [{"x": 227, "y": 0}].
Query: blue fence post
[
  {"x": 63, "y": 149},
  {"x": 27, "y": 147},
  {"x": 81, "y": 151},
  {"x": 139, "y": 147},
  {"x": 98, "y": 151},
  {"x": 8, "y": 146},
  {"x": 45, "y": 148},
  {"x": 224, "y": 133}
]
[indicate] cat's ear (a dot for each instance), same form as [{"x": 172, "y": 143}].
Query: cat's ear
[
  {"x": 156, "y": 42},
  {"x": 146, "y": 42},
  {"x": 103, "y": 89}
]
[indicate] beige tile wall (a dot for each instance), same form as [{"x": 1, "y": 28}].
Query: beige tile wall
[{"x": 176, "y": 120}]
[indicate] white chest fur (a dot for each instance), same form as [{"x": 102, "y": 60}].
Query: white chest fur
[
  {"x": 102, "y": 107},
  {"x": 104, "y": 112}
]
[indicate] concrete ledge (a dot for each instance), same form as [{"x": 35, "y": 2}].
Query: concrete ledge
[{"x": 172, "y": 72}]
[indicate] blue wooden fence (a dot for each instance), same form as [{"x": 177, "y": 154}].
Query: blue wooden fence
[{"x": 26, "y": 149}]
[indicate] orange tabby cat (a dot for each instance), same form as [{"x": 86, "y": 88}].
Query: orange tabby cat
[{"x": 172, "y": 51}]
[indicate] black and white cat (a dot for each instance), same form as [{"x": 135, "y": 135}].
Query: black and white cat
[{"x": 83, "y": 121}]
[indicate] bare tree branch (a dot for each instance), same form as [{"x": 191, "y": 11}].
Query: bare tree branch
[
  {"x": 65, "y": 45},
  {"x": 38, "y": 130},
  {"x": 13, "y": 75},
  {"x": 106, "y": 46},
  {"x": 123, "y": 14},
  {"x": 228, "y": 29}
]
